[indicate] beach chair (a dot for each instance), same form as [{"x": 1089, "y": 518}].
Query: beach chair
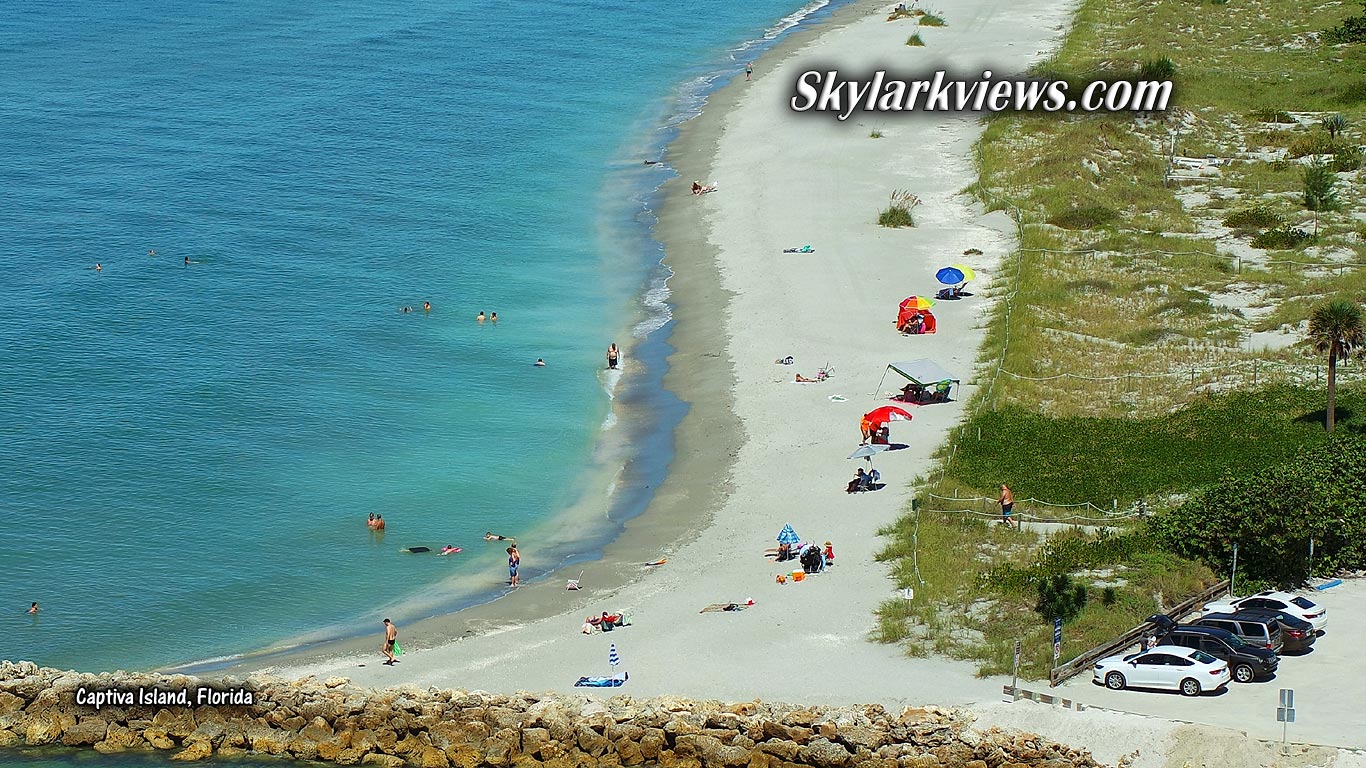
[{"x": 573, "y": 584}]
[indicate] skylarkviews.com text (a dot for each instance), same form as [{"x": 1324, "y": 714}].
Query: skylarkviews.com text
[{"x": 828, "y": 91}]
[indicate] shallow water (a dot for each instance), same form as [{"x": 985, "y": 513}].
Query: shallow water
[{"x": 188, "y": 452}]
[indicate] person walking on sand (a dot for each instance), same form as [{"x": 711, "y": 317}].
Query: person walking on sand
[
  {"x": 749, "y": 70},
  {"x": 612, "y": 355},
  {"x": 1007, "y": 502},
  {"x": 390, "y": 638},
  {"x": 514, "y": 560}
]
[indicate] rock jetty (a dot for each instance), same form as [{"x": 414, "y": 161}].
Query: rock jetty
[{"x": 331, "y": 721}]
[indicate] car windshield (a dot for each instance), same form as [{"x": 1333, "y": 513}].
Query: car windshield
[
  {"x": 1301, "y": 602},
  {"x": 1203, "y": 658}
]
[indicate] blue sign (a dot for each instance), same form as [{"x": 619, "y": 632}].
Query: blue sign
[{"x": 1057, "y": 639}]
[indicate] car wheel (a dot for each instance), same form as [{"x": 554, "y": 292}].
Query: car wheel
[
  {"x": 1190, "y": 687},
  {"x": 1114, "y": 681},
  {"x": 1243, "y": 673}
]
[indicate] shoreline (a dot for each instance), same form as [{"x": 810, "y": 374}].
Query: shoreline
[
  {"x": 665, "y": 524},
  {"x": 721, "y": 503}
]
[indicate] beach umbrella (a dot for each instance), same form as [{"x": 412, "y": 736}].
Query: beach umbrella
[
  {"x": 950, "y": 276},
  {"x": 887, "y": 413},
  {"x": 968, "y": 274},
  {"x": 613, "y": 659},
  {"x": 867, "y": 451},
  {"x": 915, "y": 302},
  {"x": 788, "y": 536}
]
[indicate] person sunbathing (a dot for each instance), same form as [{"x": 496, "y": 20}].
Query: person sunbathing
[
  {"x": 804, "y": 380},
  {"x": 916, "y": 324}
]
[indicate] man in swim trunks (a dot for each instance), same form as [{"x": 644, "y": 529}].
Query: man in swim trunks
[
  {"x": 1007, "y": 502},
  {"x": 491, "y": 536},
  {"x": 514, "y": 560},
  {"x": 390, "y": 637},
  {"x": 612, "y": 355}
]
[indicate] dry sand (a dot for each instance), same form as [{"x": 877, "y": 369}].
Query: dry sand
[{"x": 758, "y": 450}]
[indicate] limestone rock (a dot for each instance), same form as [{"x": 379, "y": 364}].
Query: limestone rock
[
  {"x": 823, "y": 753},
  {"x": 374, "y": 758},
  {"x": 199, "y": 750}
]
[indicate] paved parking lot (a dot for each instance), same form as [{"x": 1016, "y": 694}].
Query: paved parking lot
[{"x": 1328, "y": 682}]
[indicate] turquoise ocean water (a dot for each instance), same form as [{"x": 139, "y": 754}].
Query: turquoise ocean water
[{"x": 188, "y": 453}]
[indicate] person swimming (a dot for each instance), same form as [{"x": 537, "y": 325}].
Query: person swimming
[
  {"x": 493, "y": 317},
  {"x": 539, "y": 363},
  {"x": 426, "y": 306},
  {"x": 33, "y": 608},
  {"x": 405, "y": 310},
  {"x": 97, "y": 267},
  {"x": 449, "y": 550},
  {"x": 480, "y": 317}
]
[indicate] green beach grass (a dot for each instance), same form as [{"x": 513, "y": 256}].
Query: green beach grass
[{"x": 1141, "y": 345}]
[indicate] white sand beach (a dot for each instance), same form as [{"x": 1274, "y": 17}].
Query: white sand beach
[
  {"x": 759, "y": 450},
  {"x": 788, "y": 180}
]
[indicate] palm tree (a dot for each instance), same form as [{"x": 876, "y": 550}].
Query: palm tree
[
  {"x": 1336, "y": 328},
  {"x": 1334, "y": 124}
]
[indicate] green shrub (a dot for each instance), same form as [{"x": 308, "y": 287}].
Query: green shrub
[
  {"x": 1353, "y": 93},
  {"x": 1346, "y": 158},
  {"x": 1260, "y": 216},
  {"x": 1157, "y": 69},
  {"x": 1351, "y": 30},
  {"x": 1108, "y": 596},
  {"x": 1272, "y": 116},
  {"x": 898, "y": 210},
  {"x": 1059, "y": 597},
  {"x": 1281, "y": 238},
  {"x": 900, "y": 13},
  {"x": 1273, "y": 512},
  {"x": 875, "y": 134},
  {"x": 1311, "y": 144},
  {"x": 1089, "y": 217},
  {"x": 914, "y": 41},
  {"x": 932, "y": 20}
]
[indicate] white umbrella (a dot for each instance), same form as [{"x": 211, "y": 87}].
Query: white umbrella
[{"x": 867, "y": 451}]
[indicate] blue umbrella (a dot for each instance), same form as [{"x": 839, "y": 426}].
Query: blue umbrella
[
  {"x": 612, "y": 657},
  {"x": 788, "y": 536},
  {"x": 949, "y": 276}
]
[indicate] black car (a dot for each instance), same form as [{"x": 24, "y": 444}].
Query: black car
[
  {"x": 1246, "y": 662},
  {"x": 1297, "y": 634}
]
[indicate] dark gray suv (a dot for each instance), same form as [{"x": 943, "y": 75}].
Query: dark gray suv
[
  {"x": 1261, "y": 631},
  {"x": 1246, "y": 662}
]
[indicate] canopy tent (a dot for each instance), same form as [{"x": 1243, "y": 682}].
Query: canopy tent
[{"x": 923, "y": 371}]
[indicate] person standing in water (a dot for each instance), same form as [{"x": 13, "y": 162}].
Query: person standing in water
[
  {"x": 480, "y": 317},
  {"x": 612, "y": 355},
  {"x": 493, "y": 317},
  {"x": 426, "y": 306},
  {"x": 33, "y": 608},
  {"x": 390, "y": 638},
  {"x": 514, "y": 560}
]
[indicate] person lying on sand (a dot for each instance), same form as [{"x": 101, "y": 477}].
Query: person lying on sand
[{"x": 804, "y": 380}]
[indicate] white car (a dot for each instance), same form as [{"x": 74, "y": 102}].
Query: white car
[
  {"x": 1295, "y": 605},
  {"x": 1171, "y": 667}
]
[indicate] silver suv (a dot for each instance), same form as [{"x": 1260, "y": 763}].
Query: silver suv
[{"x": 1261, "y": 631}]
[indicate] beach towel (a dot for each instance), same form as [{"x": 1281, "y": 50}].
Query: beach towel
[
  {"x": 602, "y": 682},
  {"x": 803, "y": 249},
  {"x": 718, "y": 607},
  {"x": 838, "y": 399}
]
